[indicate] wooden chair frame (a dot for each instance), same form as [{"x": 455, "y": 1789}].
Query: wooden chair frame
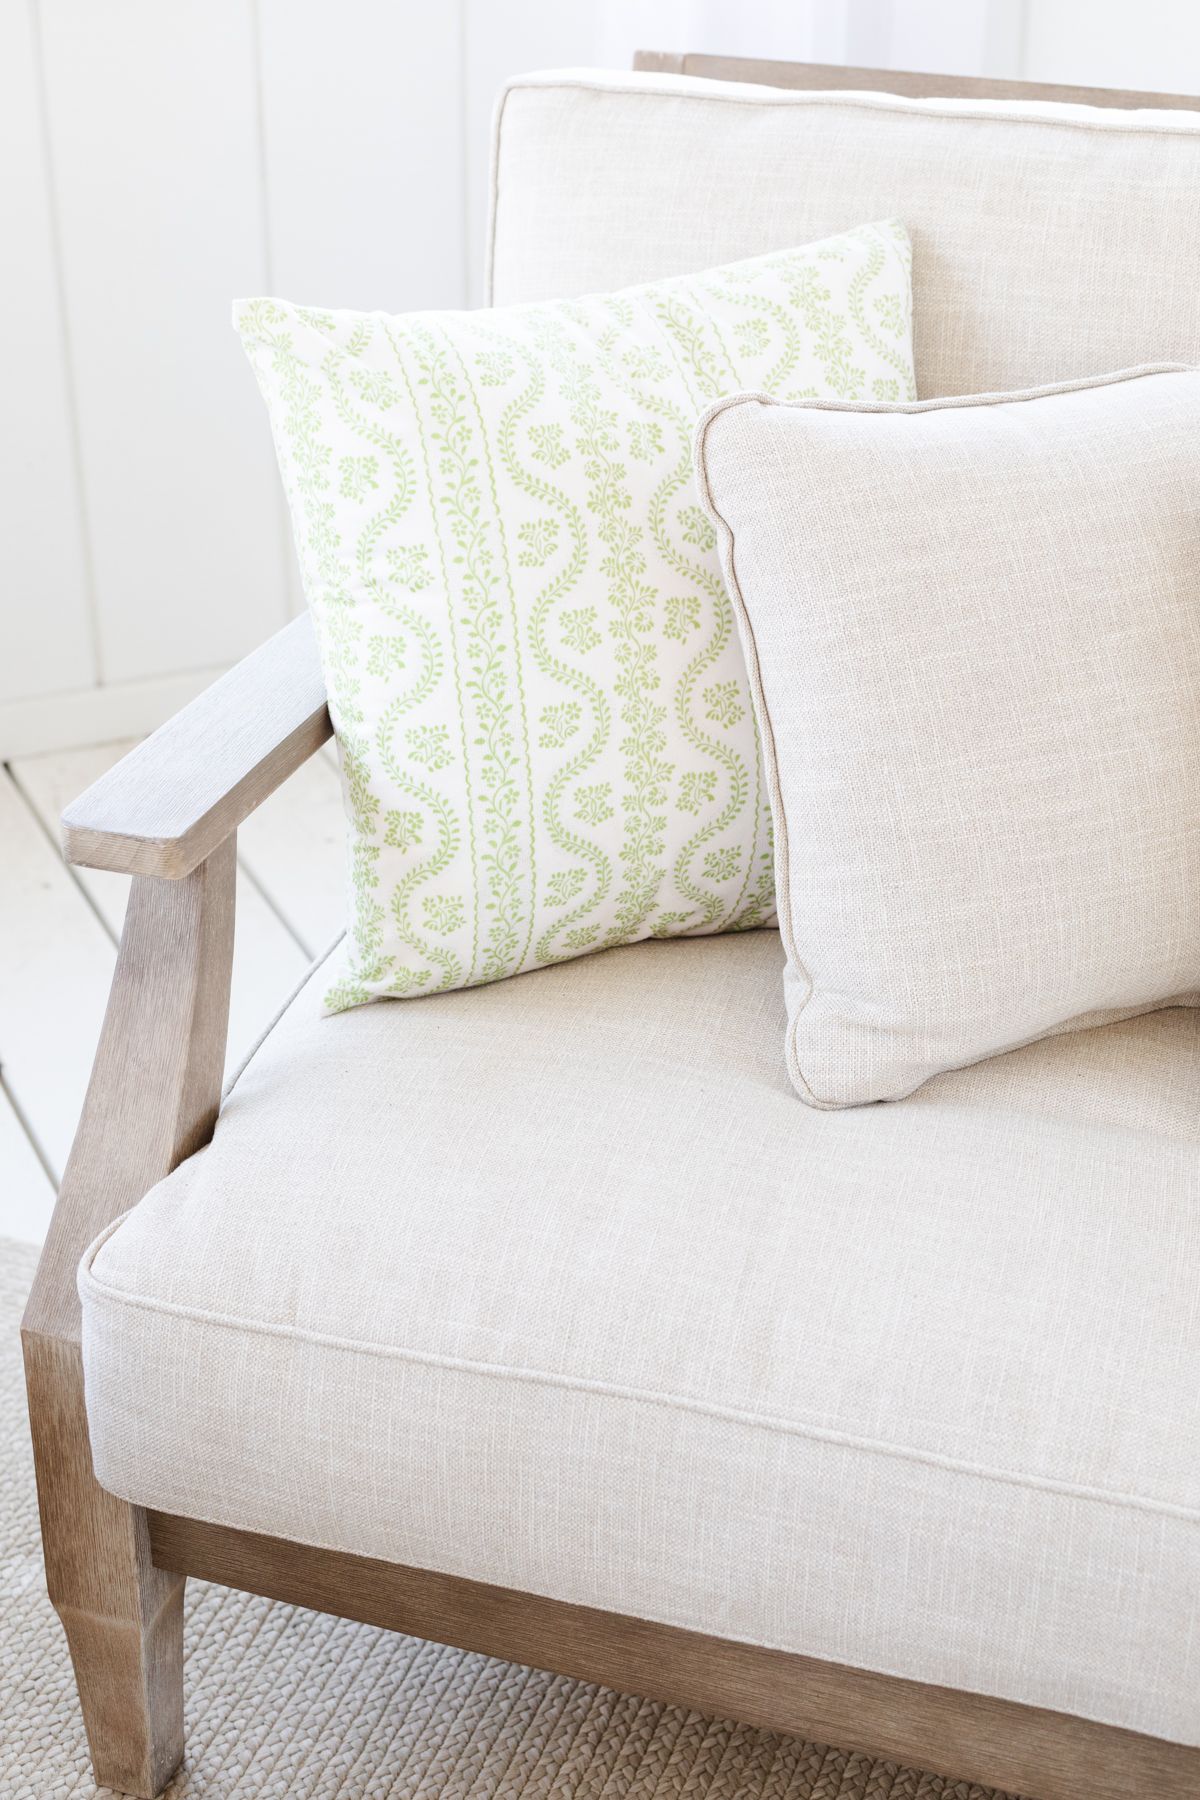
[{"x": 168, "y": 815}]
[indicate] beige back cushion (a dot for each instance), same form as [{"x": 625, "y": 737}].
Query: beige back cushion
[{"x": 1050, "y": 241}]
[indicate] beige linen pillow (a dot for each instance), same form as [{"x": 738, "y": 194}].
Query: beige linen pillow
[{"x": 973, "y": 635}]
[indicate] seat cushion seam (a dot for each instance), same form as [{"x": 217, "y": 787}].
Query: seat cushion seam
[
  {"x": 90, "y": 1286},
  {"x": 285, "y": 1006}
]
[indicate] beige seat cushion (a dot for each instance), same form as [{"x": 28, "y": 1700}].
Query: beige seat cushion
[
  {"x": 1048, "y": 241},
  {"x": 555, "y": 1283}
]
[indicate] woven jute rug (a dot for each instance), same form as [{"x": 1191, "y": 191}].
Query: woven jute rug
[{"x": 282, "y": 1702}]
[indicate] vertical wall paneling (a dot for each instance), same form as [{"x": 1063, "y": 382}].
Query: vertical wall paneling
[
  {"x": 852, "y": 31},
  {"x": 54, "y": 981},
  {"x": 1110, "y": 43},
  {"x": 152, "y": 114},
  {"x": 363, "y": 151},
  {"x": 957, "y": 37},
  {"x": 95, "y": 714},
  {"x": 45, "y": 630},
  {"x": 362, "y": 160},
  {"x": 293, "y": 587},
  {"x": 1003, "y": 38},
  {"x": 775, "y": 28},
  {"x": 503, "y": 38}
]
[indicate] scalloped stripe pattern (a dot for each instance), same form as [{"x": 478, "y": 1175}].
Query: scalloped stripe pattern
[{"x": 544, "y": 720}]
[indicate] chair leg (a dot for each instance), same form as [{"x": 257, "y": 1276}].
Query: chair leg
[{"x": 122, "y": 1616}]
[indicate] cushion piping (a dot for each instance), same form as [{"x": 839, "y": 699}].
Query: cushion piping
[
  {"x": 1177, "y": 122},
  {"x": 92, "y": 1288}
]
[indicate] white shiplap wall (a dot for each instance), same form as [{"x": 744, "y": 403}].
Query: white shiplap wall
[
  {"x": 157, "y": 160},
  {"x": 159, "y": 157},
  {"x": 46, "y": 612}
]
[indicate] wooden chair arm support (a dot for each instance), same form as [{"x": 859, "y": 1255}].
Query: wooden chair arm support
[
  {"x": 168, "y": 804},
  {"x": 151, "y": 1101},
  {"x": 170, "y": 808},
  {"x": 156, "y": 1082}
]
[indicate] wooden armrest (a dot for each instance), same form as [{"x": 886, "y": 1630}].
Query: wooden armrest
[
  {"x": 167, "y": 805},
  {"x": 170, "y": 808}
]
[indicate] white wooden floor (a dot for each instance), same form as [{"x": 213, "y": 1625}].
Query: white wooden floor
[{"x": 59, "y": 929}]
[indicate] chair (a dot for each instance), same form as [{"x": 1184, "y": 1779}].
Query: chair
[{"x": 542, "y": 1319}]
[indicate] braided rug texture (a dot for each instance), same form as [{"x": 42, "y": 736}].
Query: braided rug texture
[{"x": 283, "y": 1702}]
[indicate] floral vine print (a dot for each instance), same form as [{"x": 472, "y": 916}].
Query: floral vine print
[{"x": 547, "y": 738}]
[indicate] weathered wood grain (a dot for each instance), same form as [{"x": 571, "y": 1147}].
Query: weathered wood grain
[
  {"x": 168, "y": 804},
  {"x": 278, "y": 891},
  {"x": 966, "y": 1737},
  {"x": 151, "y": 1102},
  {"x": 833, "y": 76}
]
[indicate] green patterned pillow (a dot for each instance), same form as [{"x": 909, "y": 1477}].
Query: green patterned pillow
[{"x": 539, "y": 697}]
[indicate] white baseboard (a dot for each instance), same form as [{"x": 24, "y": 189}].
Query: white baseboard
[{"x": 95, "y": 715}]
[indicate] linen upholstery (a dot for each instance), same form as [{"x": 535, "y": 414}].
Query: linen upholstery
[
  {"x": 1049, "y": 241},
  {"x": 553, "y": 1283},
  {"x": 973, "y": 635}
]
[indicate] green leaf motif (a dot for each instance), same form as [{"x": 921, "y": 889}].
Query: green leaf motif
[
  {"x": 375, "y": 386},
  {"x": 832, "y": 341},
  {"x": 546, "y": 442},
  {"x": 402, "y": 830},
  {"x": 723, "y": 705},
  {"x": 603, "y": 437},
  {"x": 406, "y": 980},
  {"x": 559, "y": 724},
  {"x": 539, "y": 540},
  {"x": 495, "y": 368},
  {"x": 359, "y": 475},
  {"x": 385, "y": 655},
  {"x": 409, "y": 567},
  {"x": 594, "y": 804},
  {"x": 696, "y": 529},
  {"x": 669, "y": 924},
  {"x": 364, "y": 802},
  {"x": 890, "y": 313},
  {"x": 753, "y": 336},
  {"x": 682, "y": 616},
  {"x": 697, "y": 789},
  {"x": 430, "y": 745},
  {"x": 645, "y": 439},
  {"x": 644, "y": 363},
  {"x": 563, "y": 886},
  {"x": 723, "y": 864},
  {"x": 443, "y": 913},
  {"x": 579, "y": 630},
  {"x": 489, "y": 688}
]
